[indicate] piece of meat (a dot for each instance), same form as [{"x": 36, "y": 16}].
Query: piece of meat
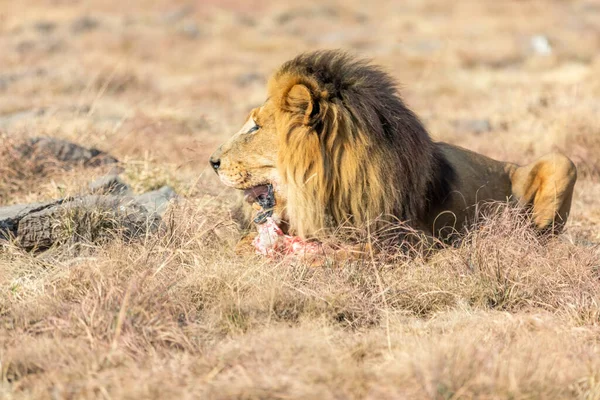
[{"x": 271, "y": 241}]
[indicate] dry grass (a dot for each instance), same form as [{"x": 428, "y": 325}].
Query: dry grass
[
  {"x": 503, "y": 315},
  {"x": 159, "y": 84}
]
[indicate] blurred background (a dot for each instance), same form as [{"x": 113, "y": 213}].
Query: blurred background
[{"x": 161, "y": 83}]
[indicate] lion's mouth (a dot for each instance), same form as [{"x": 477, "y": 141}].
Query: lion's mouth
[{"x": 264, "y": 196}]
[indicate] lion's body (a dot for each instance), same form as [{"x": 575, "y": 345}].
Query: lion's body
[
  {"x": 341, "y": 148},
  {"x": 479, "y": 180}
]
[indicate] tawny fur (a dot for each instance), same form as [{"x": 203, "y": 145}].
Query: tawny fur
[{"x": 341, "y": 147}]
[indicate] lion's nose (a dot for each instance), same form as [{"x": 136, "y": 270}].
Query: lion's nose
[{"x": 215, "y": 163}]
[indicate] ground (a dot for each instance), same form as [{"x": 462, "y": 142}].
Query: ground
[{"x": 160, "y": 83}]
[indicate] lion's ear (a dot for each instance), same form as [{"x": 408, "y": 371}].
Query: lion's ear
[{"x": 299, "y": 99}]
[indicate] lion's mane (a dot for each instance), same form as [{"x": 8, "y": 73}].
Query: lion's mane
[{"x": 350, "y": 151}]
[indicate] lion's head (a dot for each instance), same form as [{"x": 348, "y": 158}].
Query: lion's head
[{"x": 336, "y": 142}]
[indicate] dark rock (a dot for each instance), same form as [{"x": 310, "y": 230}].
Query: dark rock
[
  {"x": 157, "y": 201},
  {"x": 85, "y": 219},
  {"x": 11, "y": 215},
  {"x": 88, "y": 218},
  {"x": 110, "y": 184},
  {"x": 52, "y": 150},
  {"x": 110, "y": 211}
]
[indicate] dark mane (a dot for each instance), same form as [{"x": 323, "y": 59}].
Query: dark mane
[{"x": 384, "y": 126}]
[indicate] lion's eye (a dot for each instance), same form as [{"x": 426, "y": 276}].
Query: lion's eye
[{"x": 253, "y": 129}]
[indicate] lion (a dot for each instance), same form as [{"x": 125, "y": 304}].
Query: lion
[{"x": 336, "y": 145}]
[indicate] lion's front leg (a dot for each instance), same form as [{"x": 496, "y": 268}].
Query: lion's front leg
[
  {"x": 245, "y": 245},
  {"x": 546, "y": 185}
]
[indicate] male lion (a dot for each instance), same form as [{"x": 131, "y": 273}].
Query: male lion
[{"x": 338, "y": 146}]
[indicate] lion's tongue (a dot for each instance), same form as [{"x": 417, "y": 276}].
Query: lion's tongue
[{"x": 252, "y": 194}]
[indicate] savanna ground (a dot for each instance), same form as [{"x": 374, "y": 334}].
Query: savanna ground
[{"x": 160, "y": 83}]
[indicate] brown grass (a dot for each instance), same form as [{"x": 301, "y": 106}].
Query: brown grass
[
  {"x": 159, "y": 84},
  {"x": 502, "y": 315}
]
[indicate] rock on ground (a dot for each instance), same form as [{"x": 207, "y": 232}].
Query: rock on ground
[
  {"x": 52, "y": 150},
  {"x": 86, "y": 218}
]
